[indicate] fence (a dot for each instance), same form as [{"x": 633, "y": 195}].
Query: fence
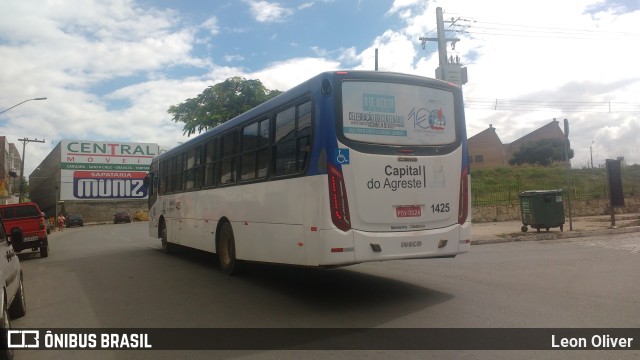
[{"x": 501, "y": 186}]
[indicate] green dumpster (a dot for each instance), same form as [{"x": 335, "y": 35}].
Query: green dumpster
[{"x": 541, "y": 209}]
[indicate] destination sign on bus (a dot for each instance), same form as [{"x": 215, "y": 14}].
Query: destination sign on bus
[{"x": 397, "y": 114}]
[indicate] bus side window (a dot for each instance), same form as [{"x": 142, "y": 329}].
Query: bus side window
[
  {"x": 189, "y": 172},
  {"x": 285, "y": 152},
  {"x": 255, "y": 151},
  {"x": 285, "y": 157},
  {"x": 304, "y": 119},
  {"x": 249, "y": 146},
  {"x": 171, "y": 176},
  {"x": 293, "y": 139},
  {"x": 229, "y": 149},
  {"x": 304, "y": 147},
  {"x": 197, "y": 170},
  {"x": 304, "y": 134},
  {"x": 148, "y": 183},
  {"x": 263, "y": 148},
  {"x": 210, "y": 163}
]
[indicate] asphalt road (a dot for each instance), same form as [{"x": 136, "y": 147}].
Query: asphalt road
[{"x": 115, "y": 276}]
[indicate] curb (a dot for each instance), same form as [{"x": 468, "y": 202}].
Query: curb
[{"x": 556, "y": 236}]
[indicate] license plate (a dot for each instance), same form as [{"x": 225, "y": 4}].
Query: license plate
[
  {"x": 408, "y": 211},
  {"x": 31, "y": 238}
]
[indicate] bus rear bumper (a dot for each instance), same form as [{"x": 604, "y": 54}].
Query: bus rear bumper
[{"x": 380, "y": 246}]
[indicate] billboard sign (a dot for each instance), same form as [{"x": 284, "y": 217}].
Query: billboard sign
[{"x": 104, "y": 170}]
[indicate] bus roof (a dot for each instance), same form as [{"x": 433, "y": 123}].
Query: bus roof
[{"x": 292, "y": 94}]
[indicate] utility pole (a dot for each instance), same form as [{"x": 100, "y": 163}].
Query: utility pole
[
  {"x": 568, "y": 170},
  {"x": 447, "y": 70},
  {"x": 442, "y": 40},
  {"x": 376, "y": 59},
  {"x": 24, "y": 144}
]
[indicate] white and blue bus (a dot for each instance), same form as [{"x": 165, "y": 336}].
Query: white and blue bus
[{"x": 347, "y": 167}]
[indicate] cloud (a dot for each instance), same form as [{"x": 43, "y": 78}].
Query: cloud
[
  {"x": 70, "y": 54},
  {"x": 211, "y": 24},
  {"x": 569, "y": 55},
  {"x": 231, "y": 58},
  {"x": 305, "y": 5},
  {"x": 396, "y": 52},
  {"x": 400, "y": 5},
  {"x": 310, "y": 4},
  {"x": 287, "y": 74},
  {"x": 269, "y": 12},
  {"x": 618, "y": 137},
  {"x": 112, "y": 68}
]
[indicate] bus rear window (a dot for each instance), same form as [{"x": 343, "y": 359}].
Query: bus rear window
[{"x": 397, "y": 114}]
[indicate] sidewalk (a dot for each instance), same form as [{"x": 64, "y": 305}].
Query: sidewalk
[{"x": 507, "y": 231}]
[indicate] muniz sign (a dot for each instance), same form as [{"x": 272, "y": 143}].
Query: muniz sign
[{"x": 97, "y": 170}]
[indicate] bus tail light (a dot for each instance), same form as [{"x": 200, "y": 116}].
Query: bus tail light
[
  {"x": 43, "y": 223},
  {"x": 338, "y": 199},
  {"x": 463, "y": 208}
]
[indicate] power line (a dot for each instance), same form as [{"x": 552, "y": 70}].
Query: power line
[
  {"x": 551, "y": 33},
  {"x": 533, "y": 31},
  {"x": 565, "y": 106},
  {"x": 556, "y": 30}
]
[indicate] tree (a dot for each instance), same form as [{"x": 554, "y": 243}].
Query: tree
[
  {"x": 220, "y": 103},
  {"x": 542, "y": 152}
]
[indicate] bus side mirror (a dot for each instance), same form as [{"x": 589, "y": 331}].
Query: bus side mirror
[{"x": 146, "y": 182}]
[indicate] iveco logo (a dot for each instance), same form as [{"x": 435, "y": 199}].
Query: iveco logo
[
  {"x": 407, "y": 159},
  {"x": 406, "y": 244}
]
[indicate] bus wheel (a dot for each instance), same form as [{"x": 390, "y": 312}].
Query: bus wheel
[
  {"x": 166, "y": 245},
  {"x": 227, "y": 250}
]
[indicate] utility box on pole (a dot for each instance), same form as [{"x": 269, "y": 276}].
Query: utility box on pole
[
  {"x": 448, "y": 69},
  {"x": 453, "y": 73}
]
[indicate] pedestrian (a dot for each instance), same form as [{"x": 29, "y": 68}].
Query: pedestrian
[{"x": 60, "y": 222}]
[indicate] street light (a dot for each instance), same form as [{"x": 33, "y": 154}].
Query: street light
[
  {"x": 20, "y": 103},
  {"x": 24, "y": 143},
  {"x": 591, "y": 152}
]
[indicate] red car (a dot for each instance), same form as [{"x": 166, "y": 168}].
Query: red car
[
  {"x": 121, "y": 216},
  {"x": 26, "y": 226}
]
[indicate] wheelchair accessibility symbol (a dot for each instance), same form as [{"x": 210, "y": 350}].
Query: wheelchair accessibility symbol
[{"x": 343, "y": 156}]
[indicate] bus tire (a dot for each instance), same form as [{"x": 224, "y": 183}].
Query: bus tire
[
  {"x": 167, "y": 247},
  {"x": 227, "y": 250}
]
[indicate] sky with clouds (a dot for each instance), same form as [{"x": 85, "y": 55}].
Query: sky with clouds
[{"x": 110, "y": 69}]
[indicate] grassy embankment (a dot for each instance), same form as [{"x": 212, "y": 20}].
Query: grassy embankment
[{"x": 499, "y": 186}]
